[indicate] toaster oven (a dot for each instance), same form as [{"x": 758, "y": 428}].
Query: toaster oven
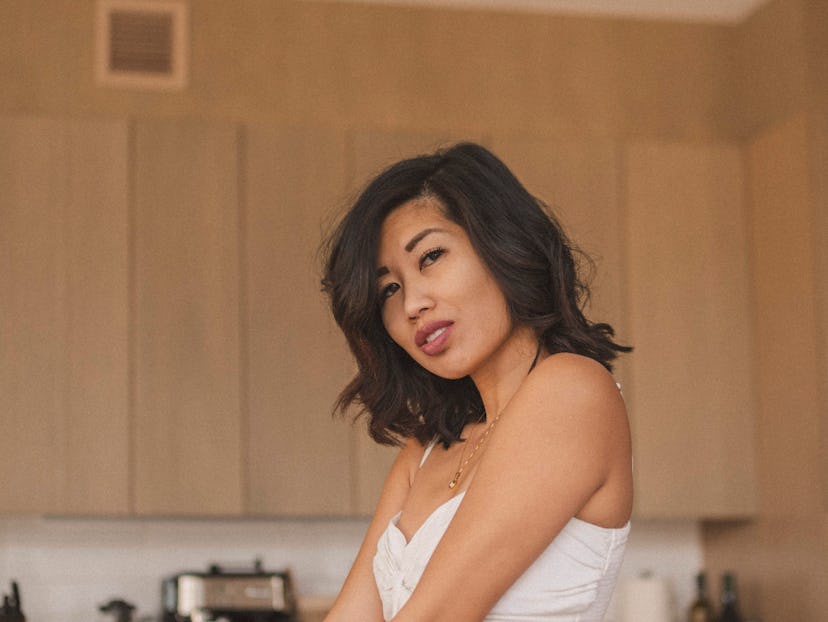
[{"x": 220, "y": 595}]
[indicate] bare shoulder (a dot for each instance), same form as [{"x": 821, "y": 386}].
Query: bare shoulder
[
  {"x": 570, "y": 416},
  {"x": 573, "y": 376},
  {"x": 566, "y": 390}
]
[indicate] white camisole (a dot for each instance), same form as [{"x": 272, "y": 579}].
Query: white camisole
[{"x": 571, "y": 581}]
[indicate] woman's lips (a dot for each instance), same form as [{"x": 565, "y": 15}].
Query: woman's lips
[{"x": 432, "y": 338}]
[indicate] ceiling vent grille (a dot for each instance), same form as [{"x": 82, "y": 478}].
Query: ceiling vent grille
[{"x": 142, "y": 44}]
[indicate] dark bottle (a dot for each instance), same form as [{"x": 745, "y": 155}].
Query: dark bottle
[
  {"x": 701, "y": 610},
  {"x": 730, "y": 603}
]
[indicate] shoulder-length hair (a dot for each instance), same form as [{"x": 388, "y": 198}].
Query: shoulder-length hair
[{"x": 521, "y": 243}]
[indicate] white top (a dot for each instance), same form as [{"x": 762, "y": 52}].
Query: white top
[{"x": 571, "y": 581}]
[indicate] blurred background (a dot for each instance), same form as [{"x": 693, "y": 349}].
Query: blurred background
[{"x": 167, "y": 364}]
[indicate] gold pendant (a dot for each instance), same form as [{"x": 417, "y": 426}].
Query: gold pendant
[{"x": 453, "y": 482}]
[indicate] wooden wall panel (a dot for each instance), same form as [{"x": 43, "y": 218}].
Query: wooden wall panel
[
  {"x": 692, "y": 392},
  {"x": 187, "y": 425},
  {"x": 298, "y": 459}
]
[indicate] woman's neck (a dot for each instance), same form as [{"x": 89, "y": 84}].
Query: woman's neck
[{"x": 499, "y": 379}]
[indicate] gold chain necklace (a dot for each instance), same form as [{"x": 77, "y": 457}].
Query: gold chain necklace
[{"x": 464, "y": 463}]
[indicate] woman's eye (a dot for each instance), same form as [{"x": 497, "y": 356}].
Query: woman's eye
[
  {"x": 429, "y": 257},
  {"x": 388, "y": 291}
]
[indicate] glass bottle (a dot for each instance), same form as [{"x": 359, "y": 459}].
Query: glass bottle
[
  {"x": 729, "y": 601},
  {"x": 701, "y": 610}
]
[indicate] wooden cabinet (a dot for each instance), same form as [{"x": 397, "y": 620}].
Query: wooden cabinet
[
  {"x": 63, "y": 316},
  {"x": 688, "y": 302},
  {"x": 166, "y": 349},
  {"x": 298, "y": 460},
  {"x": 667, "y": 228},
  {"x": 579, "y": 182},
  {"x": 186, "y": 430},
  {"x": 96, "y": 471},
  {"x": 789, "y": 361},
  {"x": 33, "y": 372}
]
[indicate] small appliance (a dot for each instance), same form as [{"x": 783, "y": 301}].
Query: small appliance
[{"x": 227, "y": 595}]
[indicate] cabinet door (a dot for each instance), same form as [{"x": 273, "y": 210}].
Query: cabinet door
[
  {"x": 691, "y": 395},
  {"x": 785, "y": 235},
  {"x": 579, "y": 182},
  {"x": 63, "y": 350},
  {"x": 97, "y": 441},
  {"x": 32, "y": 315},
  {"x": 187, "y": 426},
  {"x": 298, "y": 459}
]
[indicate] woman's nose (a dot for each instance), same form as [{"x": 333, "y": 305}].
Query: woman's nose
[{"x": 417, "y": 300}]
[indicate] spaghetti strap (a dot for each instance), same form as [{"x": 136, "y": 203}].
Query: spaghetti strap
[{"x": 427, "y": 451}]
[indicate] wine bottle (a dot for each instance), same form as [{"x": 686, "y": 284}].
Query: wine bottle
[
  {"x": 729, "y": 601},
  {"x": 701, "y": 610}
]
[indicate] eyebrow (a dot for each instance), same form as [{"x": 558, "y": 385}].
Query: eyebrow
[
  {"x": 382, "y": 270},
  {"x": 419, "y": 237}
]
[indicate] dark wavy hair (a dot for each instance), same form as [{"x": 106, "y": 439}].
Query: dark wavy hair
[{"x": 521, "y": 243}]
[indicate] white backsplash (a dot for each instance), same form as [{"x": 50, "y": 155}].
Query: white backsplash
[{"x": 66, "y": 567}]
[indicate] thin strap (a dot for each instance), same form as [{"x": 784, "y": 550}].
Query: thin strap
[
  {"x": 427, "y": 451},
  {"x": 537, "y": 355}
]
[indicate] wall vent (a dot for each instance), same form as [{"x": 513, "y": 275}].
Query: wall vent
[{"x": 142, "y": 44}]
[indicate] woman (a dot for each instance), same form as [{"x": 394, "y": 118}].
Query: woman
[{"x": 511, "y": 494}]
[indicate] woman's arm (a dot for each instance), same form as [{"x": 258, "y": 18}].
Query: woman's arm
[
  {"x": 561, "y": 449},
  {"x": 359, "y": 598}
]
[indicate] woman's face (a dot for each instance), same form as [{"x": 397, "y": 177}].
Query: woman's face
[{"x": 439, "y": 301}]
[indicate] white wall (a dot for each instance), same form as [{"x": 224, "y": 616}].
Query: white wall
[{"x": 66, "y": 567}]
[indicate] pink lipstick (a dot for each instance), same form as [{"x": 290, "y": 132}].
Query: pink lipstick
[{"x": 432, "y": 338}]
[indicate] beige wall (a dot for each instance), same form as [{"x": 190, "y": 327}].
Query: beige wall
[
  {"x": 368, "y": 66},
  {"x": 771, "y": 78}
]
